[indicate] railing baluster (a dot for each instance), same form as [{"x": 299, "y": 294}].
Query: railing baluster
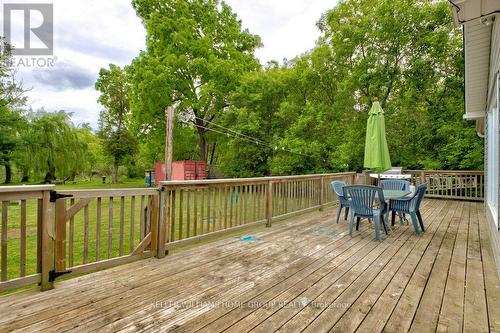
[
  {"x": 110, "y": 228},
  {"x": 98, "y": 231},
  {"x": 131, "y": 240},
  {"x": 181, "y": 210},
  {"x": 202, "y": 211},
  {"x": 122, "y": 225},
  {"x": 269, "y": 204},
  {"x": 71, "y": 244},
  {"x": 23, "y": 239},
  {"x": 220, "y": 208},
  {"x": 85, "y": 234},
  {"x": 172, "y": 214},
  {"x": 188, "y": 213},
  {"x": 5, "y": 207},
  {"x": 231, "y": 197},
  {"x": 142, "y": 229},
  {"x": 225, "y": 206},
  {"x": 195, "y": 222}
]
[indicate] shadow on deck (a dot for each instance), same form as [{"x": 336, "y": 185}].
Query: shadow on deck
[{"x": 302, "y": 275}]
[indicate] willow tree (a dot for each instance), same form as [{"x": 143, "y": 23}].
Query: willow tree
[
  {"x": 52, "y": 144},
  {"x": 196, "y": 53}
]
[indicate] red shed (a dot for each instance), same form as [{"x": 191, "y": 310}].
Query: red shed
[{"x": 182, "y": 170}]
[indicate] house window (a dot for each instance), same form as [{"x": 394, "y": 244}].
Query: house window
[{"x": 493, "y": 161}]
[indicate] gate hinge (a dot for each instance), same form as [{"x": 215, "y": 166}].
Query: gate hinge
[
  {"x": 53, "y": 275},
  {"x": 54, "y": 196}
]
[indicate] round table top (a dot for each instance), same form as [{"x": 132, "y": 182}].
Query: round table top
[{"x": 395, "y": 194}]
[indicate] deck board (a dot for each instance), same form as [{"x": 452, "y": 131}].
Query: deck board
[{"x": 305, "y": 274}]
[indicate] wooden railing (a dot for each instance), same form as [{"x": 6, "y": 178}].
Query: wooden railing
[
  {"x": 449, "y": 184},
  {"x": 26, "y": 236},
  {"x": 193, "y": 210},
  {"x": 95, "y": 229},
  {"x": 45, "y": 234}
]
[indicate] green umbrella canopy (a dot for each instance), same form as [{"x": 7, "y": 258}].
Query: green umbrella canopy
[{"x": 377, "y": 156}]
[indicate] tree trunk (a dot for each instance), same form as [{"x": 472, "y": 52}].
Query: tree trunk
[
  {"x": 8, "y": 172},
  {"x": 26, "y": 177},
  {"x": 114, "y": 175},
  {"x": 51, "y": 173},
  {"x": 211, "y": 170},
  {"x": 202, "y": 142}
]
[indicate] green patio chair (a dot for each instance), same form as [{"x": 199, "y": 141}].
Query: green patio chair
[
  {"x": 398, "y": 185},
  {"x": 395, "y": 184},
  {"x": 367, "y": 202},
  {"x": 411, "y": 206},
  {"x": 338, "y": 189}
]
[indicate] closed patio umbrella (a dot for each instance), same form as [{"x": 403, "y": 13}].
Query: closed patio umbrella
[{"x": 377, "y": 156}]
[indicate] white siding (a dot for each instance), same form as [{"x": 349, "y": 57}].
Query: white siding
[
  {"x": 494, "y": 62},
  {"x": 477, "y": 58}
]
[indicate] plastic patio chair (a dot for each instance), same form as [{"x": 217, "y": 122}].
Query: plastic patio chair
[
  {"x": 398, "y": 185},
  {"x": 395, "y": 184},
  {"x": 338, "y": 188},
  {"x": 367, "y": 202},
  {"x": 411, "y": 206}
]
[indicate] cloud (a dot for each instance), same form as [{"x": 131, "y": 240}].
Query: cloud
[
  {"x": 287, "y": 27},
  {"x": 91, "y": 34},
  {"x": 64, "y": 76}
]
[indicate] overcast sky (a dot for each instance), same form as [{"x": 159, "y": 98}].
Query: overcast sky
[{"x": 90, "y": 34}]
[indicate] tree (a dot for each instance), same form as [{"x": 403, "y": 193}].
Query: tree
[
  {"x": 196, "y": 54},
  {"x": 118, "y": 142},
  {"x": 254, "y": 112},
  {"x": 52, "y": 143},
  {"x": 11, "y": 101},
  {"x": 406, "y": 53}
]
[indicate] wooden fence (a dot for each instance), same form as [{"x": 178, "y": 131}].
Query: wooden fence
[
  {"x": 26, "y": 236},
  {"x": 45, "y": 234},
  {"x": 456, "y": 185}
]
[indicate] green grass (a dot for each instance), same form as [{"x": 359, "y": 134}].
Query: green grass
[{"x": 92, "y": 184}]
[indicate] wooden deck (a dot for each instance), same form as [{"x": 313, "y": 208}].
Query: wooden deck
[{"x": 302, "y": 275}]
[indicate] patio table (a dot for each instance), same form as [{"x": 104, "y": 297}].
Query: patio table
[{"x": 395, "y": 194}]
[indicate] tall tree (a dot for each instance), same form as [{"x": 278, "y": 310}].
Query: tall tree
[
  {"x": 114, "y": 120},
  {"x": 11, "y": 100},
  {"x": 52, "y": 143},
  {"x": 196, "y": 54}
]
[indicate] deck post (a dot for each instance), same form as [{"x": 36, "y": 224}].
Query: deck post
[
  {"x": 366, "y": 173},
  {"x": 422, "y": 177},
  {"x": 321, "y": 193},
  {"x": 163, "y": 221},
  {"x": 155, "y": 218},
  {"x": 60, "y": 240},
  {"x": 47, "y": 259},
  {"x": 269, "y": 204}
]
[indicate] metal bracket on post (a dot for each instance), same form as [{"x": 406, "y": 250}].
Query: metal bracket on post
[
  {"x": 53, "y": 275},
  {"x": 54, "y": 196}
]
